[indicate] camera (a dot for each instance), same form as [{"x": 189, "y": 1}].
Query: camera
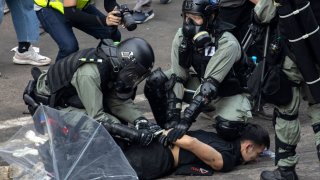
[{"x": 127, "y": 19}]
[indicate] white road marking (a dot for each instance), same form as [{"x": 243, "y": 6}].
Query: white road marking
[{"x": 10, "y": 123}]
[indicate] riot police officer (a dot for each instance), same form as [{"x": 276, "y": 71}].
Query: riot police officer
[
  {"x": 296, "y": 66},
  {"x": 205, "y": 46},
  {"x": 101, "y": 82}
]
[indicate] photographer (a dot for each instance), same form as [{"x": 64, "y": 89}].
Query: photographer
[{"x": 59, "y": 18}]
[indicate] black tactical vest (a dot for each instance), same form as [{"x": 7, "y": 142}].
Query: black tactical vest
[
  {"x": 200, "y": 59},
  {"x": 60, "y": 74}
]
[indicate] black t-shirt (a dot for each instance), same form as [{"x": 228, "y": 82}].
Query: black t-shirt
[
  {"x": 230, "y": 151},
  {"x": 151, "y": 162}
]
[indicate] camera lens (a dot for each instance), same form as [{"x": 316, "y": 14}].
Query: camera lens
[{"x": 129, "y": 22}]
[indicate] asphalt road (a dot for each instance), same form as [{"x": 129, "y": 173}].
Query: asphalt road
[{"x": 159, "y": 32}]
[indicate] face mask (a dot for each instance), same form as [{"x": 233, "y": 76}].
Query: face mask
[
  {"x": 200, "y": 37},
  {"x": 189, "y": 28}
]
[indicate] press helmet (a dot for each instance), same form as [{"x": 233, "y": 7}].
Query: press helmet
[{"x": 137, "y": 59}]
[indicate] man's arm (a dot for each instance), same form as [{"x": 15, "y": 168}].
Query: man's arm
[
  {"x": 265, "y": 10},
  {"x": 76, "y": 15},
  {"x": 222, "y": 61},
  {"x": 175, "y": 67},
  {"x": 86, "y": 81},
  {"x": 204, "y": 152}
]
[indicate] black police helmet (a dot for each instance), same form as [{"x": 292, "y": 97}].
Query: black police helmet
[
  {"x": 136, "y": 49},
  {"x": 200, "y": 7},
  {"x": 137, "y": 59},
  {"x": 229, "y": 130}
]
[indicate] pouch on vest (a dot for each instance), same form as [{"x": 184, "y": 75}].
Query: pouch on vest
[{"x": 276, "y": 87}]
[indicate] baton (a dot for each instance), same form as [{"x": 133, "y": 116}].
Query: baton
[{"x": 265, "y": 50}]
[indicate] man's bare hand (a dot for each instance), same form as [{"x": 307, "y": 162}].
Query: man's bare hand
[
  {"x": 254, "y": 1},
  {"x": 113, "y": 18}
]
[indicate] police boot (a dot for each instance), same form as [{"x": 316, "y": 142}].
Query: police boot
[
  {"x": 281, "y": 173},
  {"x": 318, "y": 151},
  {"x": 316, "y": 129}
]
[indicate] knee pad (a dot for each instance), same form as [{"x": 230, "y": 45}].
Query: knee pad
[
  {"x": 156, "y": 79},
  {"x": 289, "y": 150},
  {"x": 155, "y": 83},
  {"x": 28, "y": 97}
]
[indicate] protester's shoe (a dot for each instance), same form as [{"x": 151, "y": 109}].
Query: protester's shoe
[
  {"x": 318, "y": 151},
  {"x": 31, "y": 57},
  {"x": 165, "y": 1},
  {"x": 142, "y": 17},
  {"x": 281, "y": 173}
]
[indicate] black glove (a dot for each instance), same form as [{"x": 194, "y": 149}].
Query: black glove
[
  {"x": 179, "y": 130},
  {"x": 141, "y": 124},
  {"x": 155, "y": 129},
  {"x": 145, "y": 137},
  {"x": 163, "y": 140},
  {"x": 170, "y": 124},
  {"x": 144, "y": 125}
]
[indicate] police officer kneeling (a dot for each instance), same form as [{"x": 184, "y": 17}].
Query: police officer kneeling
[
  {"x": 102, "y": 82},
  {"x": 203, "y": 44}
]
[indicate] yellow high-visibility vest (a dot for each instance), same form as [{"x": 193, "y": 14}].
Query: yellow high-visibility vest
[
  {"x": 82, "y": 3},
  {"x": 58, "y": 5}
]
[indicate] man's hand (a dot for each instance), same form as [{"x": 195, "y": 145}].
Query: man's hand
[
  {"x": 179, "y": 130},
  {"x": 163, "y": 139},
  {"x": 113, "y": 18},
  {"x": 254, "y": 1}
]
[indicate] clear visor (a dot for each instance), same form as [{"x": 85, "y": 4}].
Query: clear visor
[{"x": 130, "y": 76}]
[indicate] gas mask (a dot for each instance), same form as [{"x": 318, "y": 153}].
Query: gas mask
[{"x": 200, "y": 37}]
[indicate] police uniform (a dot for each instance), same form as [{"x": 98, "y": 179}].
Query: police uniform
[
  {"x": 203, "y": 60},
  {"x": 86, "y": 81},
  {"x": 217, "y": 63},
  {"x": 287, "y": 126},
  {"x": 100, "y": 82}
]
